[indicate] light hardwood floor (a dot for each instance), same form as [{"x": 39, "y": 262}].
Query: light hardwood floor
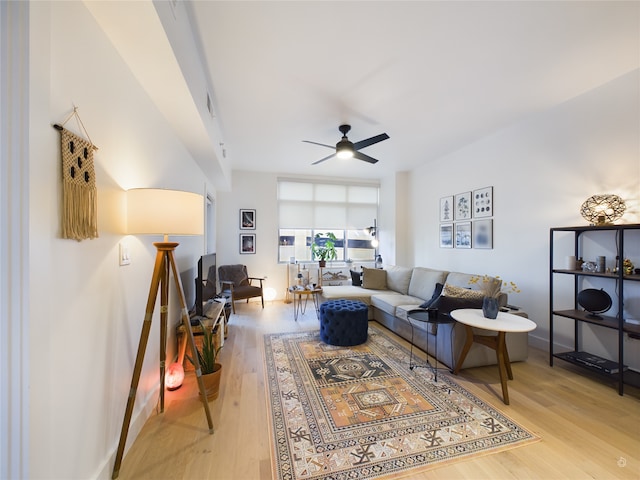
[{"x": 587, "y": 430}]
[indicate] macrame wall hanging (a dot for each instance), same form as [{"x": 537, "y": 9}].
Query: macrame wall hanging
[{"x": 79, "y": 195}]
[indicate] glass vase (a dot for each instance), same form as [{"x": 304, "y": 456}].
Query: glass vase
[{"x": 490, "y": 307}]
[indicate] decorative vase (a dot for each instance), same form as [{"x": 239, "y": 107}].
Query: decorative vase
[
  {"x": 212, "y": 382},
  {"x": 490, "y": 307}
]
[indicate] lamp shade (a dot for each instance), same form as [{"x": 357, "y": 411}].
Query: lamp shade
[
  {"x": 152, "y": 211},
  {"x": 602, "y": 209}
]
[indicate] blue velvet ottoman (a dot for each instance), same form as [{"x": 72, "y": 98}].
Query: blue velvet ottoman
[{"x": 344, "y": 322}]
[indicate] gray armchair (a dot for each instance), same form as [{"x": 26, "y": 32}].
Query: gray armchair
[{"x": 237, "y": 284}]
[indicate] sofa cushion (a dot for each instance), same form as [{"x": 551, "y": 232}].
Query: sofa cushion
[
  {"x": 398, "y": 278},
  {"x": 463, "y": 280},
  {"x": 356, "y": 278},
  {"x": 436, "y": 293},
  {"x": 387, "y": 302},
  {"x": 333, "y": 292},
  {"x": 374, "y": 278},
  {"x": 424, "y": 280}
]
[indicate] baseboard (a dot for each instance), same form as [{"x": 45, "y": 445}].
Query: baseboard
[
  {"x": 541, "y": 343},
  {"x": 138, "y": 419}
]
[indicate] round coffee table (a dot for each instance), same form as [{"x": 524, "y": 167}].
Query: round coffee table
[
  {"x": 504, "y": 323},
  {"x": 429, "y": 317}
]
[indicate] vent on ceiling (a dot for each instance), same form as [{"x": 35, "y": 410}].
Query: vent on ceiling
[{"x": 209, "y": 105}]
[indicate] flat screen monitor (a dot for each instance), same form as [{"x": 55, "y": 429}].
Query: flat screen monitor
[{"x": 206, "y": 282}]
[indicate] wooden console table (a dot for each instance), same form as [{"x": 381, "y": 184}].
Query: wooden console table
[{"x": 216, "y": 318}]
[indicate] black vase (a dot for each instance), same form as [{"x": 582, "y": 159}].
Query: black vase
[{"x": 490, "y": 307}]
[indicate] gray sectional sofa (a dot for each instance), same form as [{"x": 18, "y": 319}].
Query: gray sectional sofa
[{"x": 407, "y": 288}]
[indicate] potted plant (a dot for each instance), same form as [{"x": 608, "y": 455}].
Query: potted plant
[
  {"x": 207, "y": 356},
  {"x": 323, "y": 248}
]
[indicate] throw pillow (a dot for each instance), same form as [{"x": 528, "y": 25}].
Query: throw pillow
[
  {"x": 436, "y": 293},
  {"x": 374, "y": 278},
  {"x": 356, "y": 278},
  {"x": 459, "y": 292}
]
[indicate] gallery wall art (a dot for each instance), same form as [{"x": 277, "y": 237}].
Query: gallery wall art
[{"x": 466, "y": 219}]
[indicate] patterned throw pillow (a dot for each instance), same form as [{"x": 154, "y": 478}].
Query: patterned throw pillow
[{"x": 459, "y": 292}]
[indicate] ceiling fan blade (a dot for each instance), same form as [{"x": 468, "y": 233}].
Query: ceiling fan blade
[
  {"x": 321, "y": 144},
  {"x": 366, "y": 158},
  {"x": 370, "y": 141},
  {"x": 326, "y": 158}
]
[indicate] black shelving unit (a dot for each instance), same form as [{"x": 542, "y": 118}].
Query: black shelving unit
[{"x": 579, "y": 317}]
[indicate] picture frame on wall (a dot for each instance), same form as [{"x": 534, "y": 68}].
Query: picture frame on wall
[
  {"x": 463, "y": 235},
  {"x": 446, "y": 209},
  {"x": 483, "y": 202},
  {"x": 247, "y": 243},
  {"x": 446, "y": 235},
  {"x": 483, "y": 233},
  {"x": 247, "y": 219},
  {"x": 463, "y": 206}
]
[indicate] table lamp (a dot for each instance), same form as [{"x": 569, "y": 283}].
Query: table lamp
[
  {"x": 602, "y": 210},
  {"x": 162, "y": 212}
]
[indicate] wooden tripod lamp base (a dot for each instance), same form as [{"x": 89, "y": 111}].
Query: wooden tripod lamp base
[{"x": 160, "y": 281}]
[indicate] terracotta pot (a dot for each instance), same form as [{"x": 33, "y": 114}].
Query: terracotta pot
[{"x": 212, "y": 382}]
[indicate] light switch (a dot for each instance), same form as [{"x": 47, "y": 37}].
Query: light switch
[{"x": 125, "y": 259}]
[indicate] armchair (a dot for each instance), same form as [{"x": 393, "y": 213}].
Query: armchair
[{"x": 236, "y": 283}]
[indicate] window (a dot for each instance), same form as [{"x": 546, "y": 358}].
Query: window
[{"x": 306, "y": 208}]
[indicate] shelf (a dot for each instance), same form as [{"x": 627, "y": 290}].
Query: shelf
[
  {"x": 613, "y": 276},
  {"x": 618, "y": 281},
  {"x": 593, "y": 228},
  {"x": 630, "y": 377},
  {"x": 607, "y": 322}
]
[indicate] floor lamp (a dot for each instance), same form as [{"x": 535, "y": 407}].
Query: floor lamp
[{"x": 162, "y": 212}]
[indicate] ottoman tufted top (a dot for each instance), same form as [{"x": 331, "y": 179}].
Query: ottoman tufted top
[{"x": 344, "y": 304}]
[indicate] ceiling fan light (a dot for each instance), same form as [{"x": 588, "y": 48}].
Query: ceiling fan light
[{"x": 344, "y": 149}]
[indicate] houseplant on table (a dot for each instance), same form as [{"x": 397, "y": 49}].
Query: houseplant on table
[
  {"x": 207, "y": 356},
  {"x": 323, "y": 248}
]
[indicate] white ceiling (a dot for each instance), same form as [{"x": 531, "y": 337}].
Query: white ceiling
[{"x": 435, "y": 76}]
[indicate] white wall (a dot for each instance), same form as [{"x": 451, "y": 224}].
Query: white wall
[
  {"x": 541, "y": 169},
  {"x": 258, "y": 191},
  {"x": 86, "y": 310}
]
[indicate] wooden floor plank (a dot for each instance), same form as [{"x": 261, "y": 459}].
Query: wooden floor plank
[{"x": 587, "y": 430}]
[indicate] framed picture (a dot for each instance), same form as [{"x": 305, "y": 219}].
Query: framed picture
[
  {"x": 463, "y": 206},
  {"x": 446, "y": 235},
  {"x": 483, "y": 233},
  {"x": 446, "y": 209},
  {"x": 247, "y": 219},
  {"x": 463, "y": 235},
  {"x": 483, "y": 202},
  {"x": 247, "y": 243}
]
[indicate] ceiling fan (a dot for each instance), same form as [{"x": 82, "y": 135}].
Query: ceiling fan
[{"x": 347, "y": 149}]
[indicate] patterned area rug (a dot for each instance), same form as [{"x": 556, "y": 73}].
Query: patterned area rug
[{"x": 359, "y": 412}]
